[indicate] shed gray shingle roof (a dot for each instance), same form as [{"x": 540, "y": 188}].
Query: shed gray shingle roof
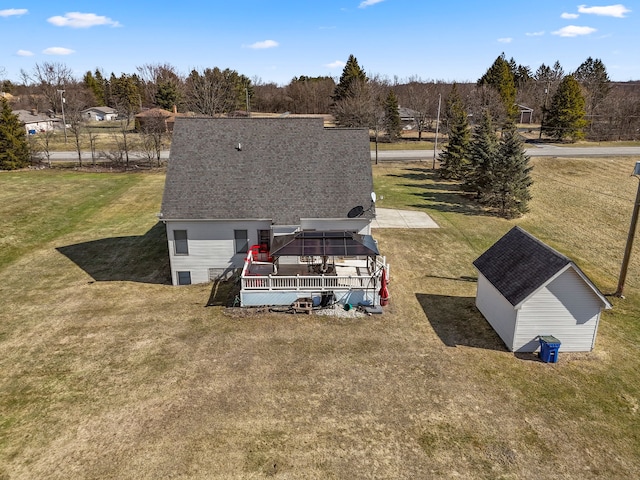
[
  {"x": 105, "y": 110},
  {"x": 518, "y": 264},
  {"x": 286, "y": 169}
]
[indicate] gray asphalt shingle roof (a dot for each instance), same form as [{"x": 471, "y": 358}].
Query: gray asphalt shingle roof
[
  {"x": 518, "y": 264},
  {"x": 286, "y": 169}
]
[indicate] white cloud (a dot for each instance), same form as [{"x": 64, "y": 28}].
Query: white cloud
[
  {"x": 574, "y": 31},
  {"x": 569, "y": 16},
  {"x": 505, "y": 40},
  {"x": 264, "y": 44},
  {"x": 368, "y": 3},
  {"x": 81, "y": 20},
  {"x": 336, "y": 64},
  {"x": 24, "y": 53},
  {"x": 58, "y": 51},
  {"x": 535, "y": 34},
  {"x": 617, "y": 10},
  {"x": 13, "y": 12}
]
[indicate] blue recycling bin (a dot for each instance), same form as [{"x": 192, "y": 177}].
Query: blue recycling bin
[{"x": 549, "y": 346}]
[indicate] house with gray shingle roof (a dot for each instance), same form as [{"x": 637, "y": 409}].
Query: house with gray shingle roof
[
  {"x": 526, "y": 290},
  {"x": 35, "y": 122},
  {"x": 99, "y": 114},
  {"x": 236, "y": 182}
]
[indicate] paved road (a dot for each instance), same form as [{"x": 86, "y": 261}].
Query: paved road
[
  {"x": 86, "y": 156},
  {"x": 533, "y": 150}
]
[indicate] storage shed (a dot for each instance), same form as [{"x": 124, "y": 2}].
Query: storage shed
[{"x": 527, "y": 289}]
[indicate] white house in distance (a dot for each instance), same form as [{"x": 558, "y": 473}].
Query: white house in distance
[
  {"x": 35, "y": 122},
  {"x": 99, "y": 114},
  {"x": 526, "y": 289},
  {"x": 284, "y": 201}
]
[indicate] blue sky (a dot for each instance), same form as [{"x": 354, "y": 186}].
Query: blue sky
[{"x": 275, "y": 40}]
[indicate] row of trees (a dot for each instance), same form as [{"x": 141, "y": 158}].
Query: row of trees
[
  {"x": 493, "y": 167},
  {"x": 611, "y": 111}
]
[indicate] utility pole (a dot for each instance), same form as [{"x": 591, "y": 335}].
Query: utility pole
[
  {"x": 435, "y": 145},
  {"x": 544, "y": 108},
  {"x": 630, "y": 237},
  {"x": 64, "y": 122}
]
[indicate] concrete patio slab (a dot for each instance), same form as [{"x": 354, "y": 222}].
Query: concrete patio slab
[{"x": 392, "y": 218}]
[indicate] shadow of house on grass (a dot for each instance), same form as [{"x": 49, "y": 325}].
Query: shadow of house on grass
[
  {"x": 439, "y": 194},
  {"x": 142, "y": 258},
  {"x": 457, "y": 321}
]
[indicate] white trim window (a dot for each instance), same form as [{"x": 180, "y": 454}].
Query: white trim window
[
  {"x": 241, "y": 241},
  {"x": 180, "y": 242},
  {"x": 184, "y": 277}
]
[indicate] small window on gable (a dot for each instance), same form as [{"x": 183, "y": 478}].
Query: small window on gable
[
  {"x": 241, "y": 240},
  {"x": 181, "y": 244},
  {"x": 184, "y": 278}
]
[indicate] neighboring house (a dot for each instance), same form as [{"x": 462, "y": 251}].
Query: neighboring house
[
  {"x": 236, "y": 182},
  {"x": 527, "y": 289},
  {"x": 35, "y": 122},
  {"x": 156, "y": 119},
  {"x": 408, "y": 118},
  {"x": 99, "y": 114}
]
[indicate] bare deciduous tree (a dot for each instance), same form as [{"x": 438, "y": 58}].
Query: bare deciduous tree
[
  {"x": 48, "y": 78},
  {"x": 214, "y": 91},
  {"x": 153, "y": 133}
]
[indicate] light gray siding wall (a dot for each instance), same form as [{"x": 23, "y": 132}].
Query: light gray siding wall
[
  {"x": 566, "y": 308},
  {"x": 497, "y": 310},
  {"x": 211, "y": 246},
  {"x": 359, "y": 225}
]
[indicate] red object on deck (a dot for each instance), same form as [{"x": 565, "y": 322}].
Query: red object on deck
[
  {"x": 384, "y": 291},
  {"x": 260, "y": 253}
]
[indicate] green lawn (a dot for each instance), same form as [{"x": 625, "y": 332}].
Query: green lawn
[{"x": 106, "y": 371}]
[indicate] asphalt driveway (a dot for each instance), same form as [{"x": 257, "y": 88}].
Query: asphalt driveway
[{"x": 392, "y": 218}]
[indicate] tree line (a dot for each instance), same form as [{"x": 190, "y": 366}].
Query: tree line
[
  {"x": 484, "y": 151},
  {"x": 611, "y": 111}
]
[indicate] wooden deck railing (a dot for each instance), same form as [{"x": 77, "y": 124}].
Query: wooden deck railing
[
  {"x": 311, "y": 283},
  {"x": 315, "y": 283}
]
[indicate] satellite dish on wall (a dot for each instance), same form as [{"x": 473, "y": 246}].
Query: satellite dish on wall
[
  {"x": 355, "y": 211},
  {"x": 373, "y": 197}
]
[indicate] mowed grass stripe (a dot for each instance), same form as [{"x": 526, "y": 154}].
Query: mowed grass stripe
[{"x": 38, "y": 207}]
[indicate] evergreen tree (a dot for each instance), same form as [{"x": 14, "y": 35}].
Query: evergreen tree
[
  {"x": 96, "y": 87},
  {"x": 167, "y": 95},
  {"x": 482, "y": 154},
  {"x": 14, "y": 148},
  {"x": 391, "y": 121},
  {"x": 510, "y": 176},
  {"x": 592, "y": 76},
  {"x": 351, "y": 74},
  {"x": 354, "y": 104},
  {"x": 566, "y": 115},
  {"x": 501, "y": 77},
  {"x": 126, "y": 94},
  {"x": 455, "y": 155}
]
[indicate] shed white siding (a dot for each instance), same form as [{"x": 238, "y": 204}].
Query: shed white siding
[
  {"x": 211, "y": 247},
  {"x": 566, "y": 308},
  {"x": 497, "y": 310}
]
